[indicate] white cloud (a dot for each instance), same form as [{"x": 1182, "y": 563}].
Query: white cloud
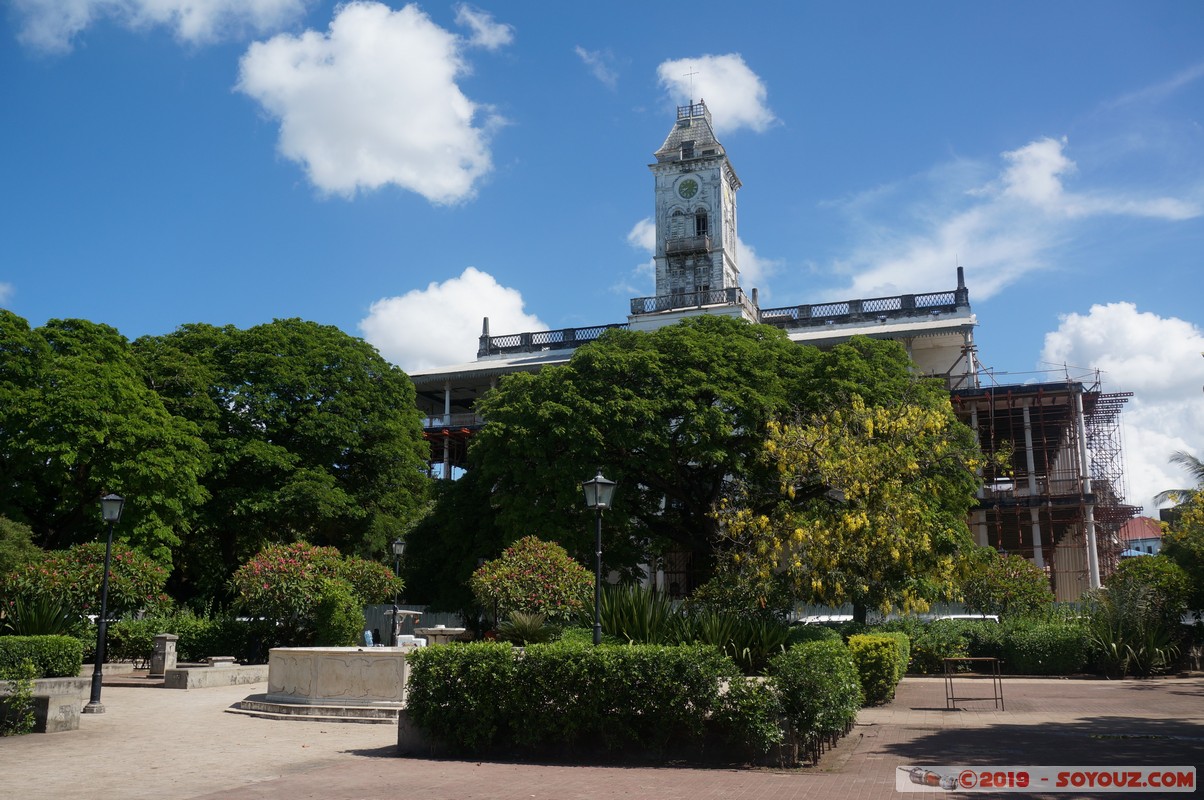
[
  {"x": 485, "y": 32},
  {"x": 1161, "y": 91},
  {"x": 1160, "y": 360},
  {"x": 598, "y": 62},
  {"x": 373, "y": 102},
  {"x": 1004, "y": 228},
  {"x": 643, "y": 235},
  {"x": 734, "y": 93},
  {"x": 442, "y": 324},
  {"x": 7, "y": 290},
  {"x": 53, "y": 25},
  {"x": 755, "y": 271}
]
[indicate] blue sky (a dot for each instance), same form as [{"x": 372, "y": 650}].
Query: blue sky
[{"x": 402, "y": 171}]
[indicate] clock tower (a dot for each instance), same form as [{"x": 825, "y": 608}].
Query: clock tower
[{"x": 695, "y": 214}]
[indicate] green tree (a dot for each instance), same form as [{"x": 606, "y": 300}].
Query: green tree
[
  {"x": 1183, "y": 543},
  {"x": 77, "y": 422},
  {"x": 16, "y": 545},
  {"x": 1166, "y": 584},
  {"x": 445, "y": 547},
  {"x": 312, "y": 436},
  {"x": 533, "y": 577},
  {"x": 1004, "y": 584},
  {"x": 671, "y": 414},
  {"x": 871, "y": 506}
]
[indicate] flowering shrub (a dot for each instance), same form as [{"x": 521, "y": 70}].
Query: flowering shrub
[
  {"x": 285, "y": 583},
  {"x": 533, "y": 577},
  {"x": 73, "y": 578}
]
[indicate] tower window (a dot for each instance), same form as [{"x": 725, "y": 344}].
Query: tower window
[
  {"x": 687, "y": 149},
  {"x": 701, "y": 228}
]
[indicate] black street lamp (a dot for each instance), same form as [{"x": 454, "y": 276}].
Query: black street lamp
[
  {"x": 110, "y": 510},
  {"x": 399, "y": 550},
  {"x": 598, "y": 492}
]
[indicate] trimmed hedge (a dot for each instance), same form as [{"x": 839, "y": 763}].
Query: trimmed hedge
[
  {"x": 636, "y": 697},
  {"x": 935, "y": 642},
  {"x": 881, "y": 662},
  {"x": 460, "y": 693},
  {"x": 811, "y": 633},
  {"x": 820, "y": 691},
  {"x": 51, "y": 656},
  {"x": 199, "y": 637},
  {"x": 1046, "y": 649},
  {"x": 566, "y": 697}
]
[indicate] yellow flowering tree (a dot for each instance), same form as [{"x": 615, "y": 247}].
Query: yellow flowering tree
[{"x": 871, "y": 507}]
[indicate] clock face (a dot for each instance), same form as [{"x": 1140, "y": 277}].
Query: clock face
[{"x": 687, "y": 188}]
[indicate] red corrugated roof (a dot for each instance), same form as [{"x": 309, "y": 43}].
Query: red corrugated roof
[{"x": 1140, "y": 528}]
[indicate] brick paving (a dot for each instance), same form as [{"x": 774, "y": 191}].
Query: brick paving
[{"x": 181, "y": 745}]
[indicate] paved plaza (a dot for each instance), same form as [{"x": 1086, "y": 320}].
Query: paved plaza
[{"x": 161, "y": 744}]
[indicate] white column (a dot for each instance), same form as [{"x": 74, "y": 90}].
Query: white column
[
  {"x": 447, "y": 436},
  {"x": 1093, "y": 581},
  {"x": 1034, "y": 512}
]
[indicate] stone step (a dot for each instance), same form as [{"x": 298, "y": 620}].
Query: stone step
[{"x": 372, "y": 715}]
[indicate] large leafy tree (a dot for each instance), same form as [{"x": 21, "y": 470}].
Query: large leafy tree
[
  {"x": 672, "y": 415},
  {"x": 1183, "y": 543},
  {"x": 312, "y": 436},
  {"x": 76, "y": 422},
  {"x": 870, "y": 507}
]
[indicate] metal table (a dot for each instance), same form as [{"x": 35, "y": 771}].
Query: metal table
[{"x": 996, "y": 679}]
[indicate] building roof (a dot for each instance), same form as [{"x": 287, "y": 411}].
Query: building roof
[{"x": 1140, "y": 528}]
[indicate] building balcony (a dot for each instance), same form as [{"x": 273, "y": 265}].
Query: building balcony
[{"x": 685, "y": 245}]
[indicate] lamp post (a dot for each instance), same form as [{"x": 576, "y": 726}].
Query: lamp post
[
  {"x": 399, "y": 550},
  {"x": 598, "y": 492},
  {"x": 110, "y": 510}
]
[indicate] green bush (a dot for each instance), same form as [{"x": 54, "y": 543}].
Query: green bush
[
  {"x": 132, "y": 639},
  {"x": 639, "y": 615},
  {"x": 1128, "y": 633},
  {"x": 880, "y": 664},
  {"x": 566, "y": 696},
  {"x": 339, "y": 617},
  {"x": 986, "y": 639},
  {"x": 51, "y": 656},
  {"x": 756, "y": 640},
  {"x": 819, "y": 689},
  {"x": 902, "y": 651},
  {"x": 935, "y": 642},
  {"x": 200, "y": 637},
  {"x": 1168, "y": 584},
  {"x": 39, "y": 615},
  {"x": 16, "y": 709},
  {"x": 461, "y": 694},
  {"x": 285, "y": 583},
  {"x": 569, "y": 697},
  {"x": 627, "y": 698},
  {"x": 749, "y": 718},
  {"x": 1007, "y": 585},
  {"x": 811, "y": 633},
  {"x": 533, "y": 576},
  {"x": 72, "y": 577},
  {"x": 1044, "y": 649},
  {"x": 524, "y": 629}
]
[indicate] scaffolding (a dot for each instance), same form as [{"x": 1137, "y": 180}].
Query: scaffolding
[{"x": 1053, "y": 487}]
